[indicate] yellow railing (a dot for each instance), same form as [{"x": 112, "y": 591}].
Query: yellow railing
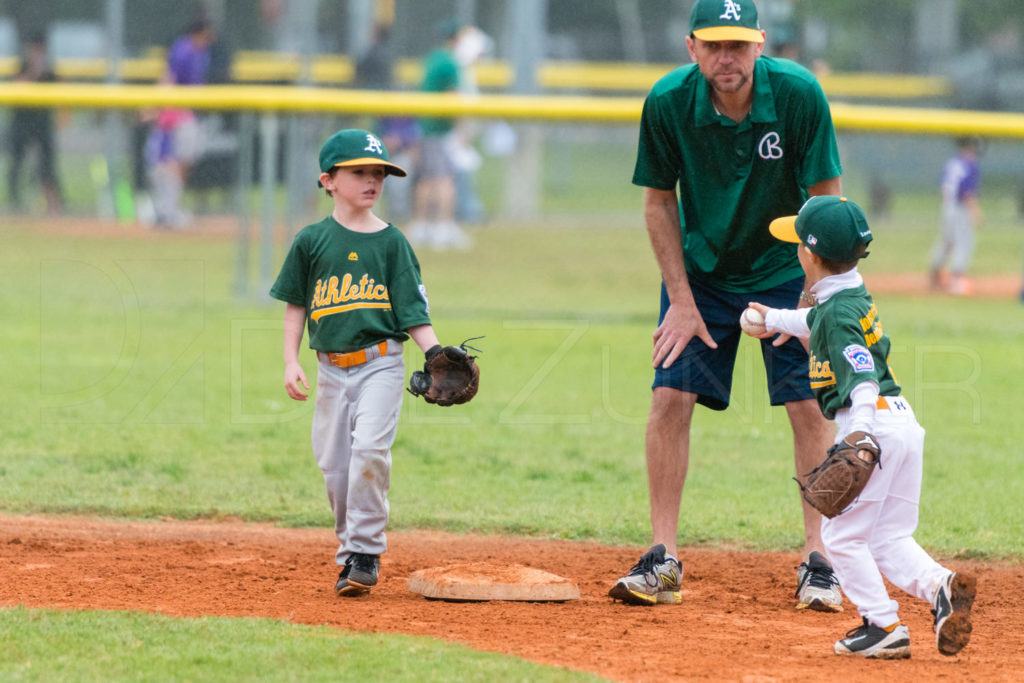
[
  {"x": 288, "y": 99},
  {"x": 339, "y": 70}
]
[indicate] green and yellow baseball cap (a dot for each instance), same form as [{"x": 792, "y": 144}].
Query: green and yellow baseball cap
[
  {"x": 830, "y": 226},
  {"x": 718, "y": 20},
  {"x": 356, "y": 147}
]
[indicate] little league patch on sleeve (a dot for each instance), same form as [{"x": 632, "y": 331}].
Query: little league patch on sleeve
[{"x": 859, "y": 358}]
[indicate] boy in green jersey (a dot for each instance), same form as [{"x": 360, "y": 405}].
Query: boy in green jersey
[
  {"x": 353, "y": 280},
  {"x": 853, "y": 384}
]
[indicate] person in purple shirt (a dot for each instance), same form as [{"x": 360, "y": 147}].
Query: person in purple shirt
[
  {"x": 175, "y": 142},
  {"x": 961, "y": 215},
  {"x": 188, "y": 61}
]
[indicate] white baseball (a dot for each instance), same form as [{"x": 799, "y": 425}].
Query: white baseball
[{"x": 752, "y": 322}]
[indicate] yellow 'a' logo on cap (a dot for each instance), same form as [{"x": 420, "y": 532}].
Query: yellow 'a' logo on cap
[{"x": 353, "y": 256}]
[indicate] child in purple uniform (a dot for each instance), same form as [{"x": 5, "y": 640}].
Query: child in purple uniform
[{"x": 961, "y": 215}]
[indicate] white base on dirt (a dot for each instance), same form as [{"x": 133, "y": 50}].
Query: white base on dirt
[{"x": 480, "y": 581}]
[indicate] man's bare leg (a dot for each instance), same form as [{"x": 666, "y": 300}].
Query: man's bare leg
[
  {"x": 812, "y": 436},
  {"x": 656, "y": 579},
  {"x": 668, "y": 458},
  {"x": 817, "y": 586}
]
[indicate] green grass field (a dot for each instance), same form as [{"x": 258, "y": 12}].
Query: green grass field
[{"x": 140, "y": 387}]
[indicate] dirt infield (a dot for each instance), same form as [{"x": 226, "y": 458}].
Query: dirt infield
[{"x": 737, "y": 620}]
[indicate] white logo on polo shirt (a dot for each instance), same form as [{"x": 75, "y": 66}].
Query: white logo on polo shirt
[{"x": 769, "y": 147}]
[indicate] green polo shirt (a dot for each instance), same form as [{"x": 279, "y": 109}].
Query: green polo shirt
[
  {"x": 847, "y": 347},
  {"x": 358, "y": 288},
  {"x": 440, "y": 74},
  {"x": 735, "y": 178}
]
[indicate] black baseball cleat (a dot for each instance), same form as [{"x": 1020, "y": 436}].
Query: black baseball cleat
[
  {"x": 358, "y": 576},
  {"x": 817, "y": 586},
  {"x": 953, "y": 602},
  {"x": 874, "y": 642}
]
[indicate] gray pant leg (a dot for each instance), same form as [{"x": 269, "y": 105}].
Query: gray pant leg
[
  {"x": 956, "y": 242},
  {"x": 963, "y": 240},
  {"x": 354, "y": 425}
]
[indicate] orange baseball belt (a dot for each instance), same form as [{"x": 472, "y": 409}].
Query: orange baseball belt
[{"x": 354, "y": 358}]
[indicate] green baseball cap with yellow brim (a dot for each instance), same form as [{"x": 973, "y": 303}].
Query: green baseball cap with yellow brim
[
  {"x": 356, "y": 147},
  {"x": 723, "y": 20},
  {"x": 831, "y": 227}
]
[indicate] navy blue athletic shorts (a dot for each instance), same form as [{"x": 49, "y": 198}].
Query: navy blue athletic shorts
[{"x": 707, "y": 372}]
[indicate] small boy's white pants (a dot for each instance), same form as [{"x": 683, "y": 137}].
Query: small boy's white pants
[
  {"x": 874, "y": 536},
  {"x": 354, "y": 426}
]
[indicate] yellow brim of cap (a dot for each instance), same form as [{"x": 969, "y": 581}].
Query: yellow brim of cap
[
  {"x": 393, "y": 169},
  {"x": 784, "y": 229},
  {"x": 720, "y": 33}
]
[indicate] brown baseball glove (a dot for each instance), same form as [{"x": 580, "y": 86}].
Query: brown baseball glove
[
  {"x": 838, "y": 480},
  {"x": 449, "y": 376}
]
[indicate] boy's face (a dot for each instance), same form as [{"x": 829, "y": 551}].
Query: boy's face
[{"x": 357, "y": 186}]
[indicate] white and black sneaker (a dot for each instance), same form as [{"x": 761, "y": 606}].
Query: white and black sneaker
[
  {"x": 358, "y": 575},
  {"x": 817, "y": 586},
  {"x": 953, "y": 602},
  {"x": 654, "y": 579},
  {"x": 874, "y": 642}
]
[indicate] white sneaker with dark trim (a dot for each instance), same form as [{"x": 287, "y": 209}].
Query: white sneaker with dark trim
[
  {"x": 655, "y": 579},
  {"x": 874, "y": 642},
  {"x": 817, "y": 586}
]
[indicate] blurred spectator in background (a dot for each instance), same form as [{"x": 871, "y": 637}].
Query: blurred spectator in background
[
  {"x": 961, "y": 215},
  {"x": 34, "y": 127},
  {"x": 470, "y": 45},
  {"x": 401, "y": 135},
  {"x": 434, "y": 194},
  {"x": 375, "y": 66},
  {"x": 175, "y": 141}
]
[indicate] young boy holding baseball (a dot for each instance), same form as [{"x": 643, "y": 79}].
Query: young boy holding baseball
[
  {"x": 851, "y": 379},
  {"x": 354, "y": 281}
]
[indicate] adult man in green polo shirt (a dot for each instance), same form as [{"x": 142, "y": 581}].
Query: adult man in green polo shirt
[{"x": 746, "y": 139}]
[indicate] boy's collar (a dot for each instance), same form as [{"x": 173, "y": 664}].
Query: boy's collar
[{"x": 824, "y": 288}]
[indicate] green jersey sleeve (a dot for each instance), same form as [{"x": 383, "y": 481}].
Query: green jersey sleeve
[
  {"x": 658, "y": 160},
  {"x": 405, "y": 287},
  {"x": 291, "y": 282},
  {"x": 848, "y": 347},
  {"x": 813, "y": 119}
]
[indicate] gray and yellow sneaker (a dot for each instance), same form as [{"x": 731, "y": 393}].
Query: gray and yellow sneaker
[
  {"x": 817, "y": 586},
  {"x": 875, "y": 642},
  {"x": 358, "y": 575},
  {"x": 655, "y": 579},
  {"x": 953, "y": 602}
]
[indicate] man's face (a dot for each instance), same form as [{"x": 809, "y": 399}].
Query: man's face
[{"x": 727, "y": 65}]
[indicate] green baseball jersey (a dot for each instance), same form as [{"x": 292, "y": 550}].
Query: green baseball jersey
[
  {"x": 440, "y": 74},
  {"x": 847, "y": 347},
  {"x": 358, "y": 288},
  {"x": 735, "y": 178}
]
